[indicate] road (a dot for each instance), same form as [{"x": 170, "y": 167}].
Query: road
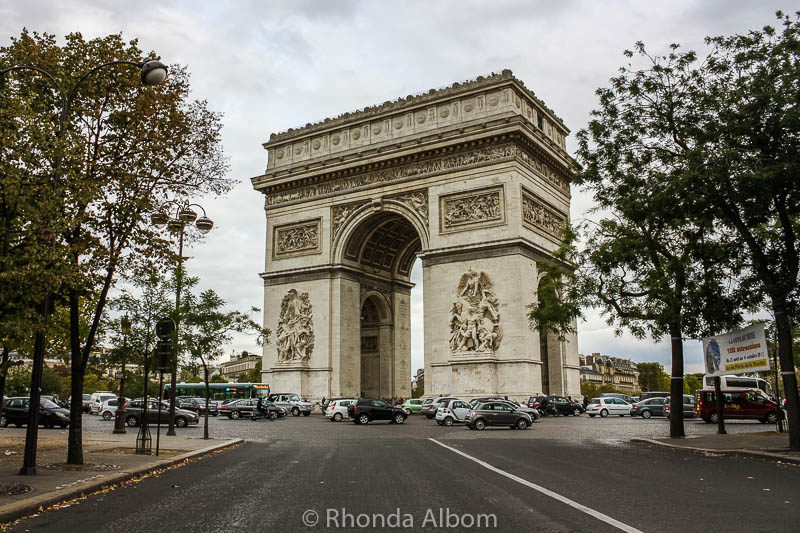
[{"x": 557, "y": 476}]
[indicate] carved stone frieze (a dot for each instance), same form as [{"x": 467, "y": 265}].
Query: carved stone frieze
[
  {"x": 294, "y": 337},
  {"x": 339, "y": 214},
  {"x": 419, "y": 169},
  {"x": 417, "y": 201},
  {"x": 475, "y": 316},
  {"x": 471, "y": 209},
  {"x": 296, "y": 239},
  {"x": 538, "y": 215}
]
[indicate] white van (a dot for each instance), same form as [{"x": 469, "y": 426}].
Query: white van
[
  {"x": 739, "y": 382},
  {"x": 97, "y": 399}
]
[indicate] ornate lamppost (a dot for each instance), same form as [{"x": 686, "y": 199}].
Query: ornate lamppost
[
  {"x": 119, "y": 421},
  {"x": 152, "y": 73},
  {"x": 183, "y": 216}
]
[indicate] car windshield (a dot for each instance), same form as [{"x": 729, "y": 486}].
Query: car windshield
[{"x": 48, "y": 404}]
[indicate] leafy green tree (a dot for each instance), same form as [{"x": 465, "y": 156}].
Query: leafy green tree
[
  {"x": 692, "y": 382},
  {"x": 206, "y": 329},
  {"x": 218, "y": 379},
  {"x": 253, "y": 375},
  {"x": 18, "y": 381},
  {"x": 652, "y": 377},
  {"x": 126, "y": 148}
]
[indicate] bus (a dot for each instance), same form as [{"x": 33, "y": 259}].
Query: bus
[
  {"x": 220, "y": 391},
  {"x": 739, "y": 382}
]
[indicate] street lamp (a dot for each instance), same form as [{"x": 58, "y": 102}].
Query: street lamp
[
  {"x": 152, "y": 73},
  {"x": 119, "y": 421},
  {"x": 184, "y": 215}
]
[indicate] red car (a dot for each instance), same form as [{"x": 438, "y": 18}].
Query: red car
[{"x": 739, "y": 404}]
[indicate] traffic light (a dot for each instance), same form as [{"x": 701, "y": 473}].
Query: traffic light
[{"x": 164, "y": 351}]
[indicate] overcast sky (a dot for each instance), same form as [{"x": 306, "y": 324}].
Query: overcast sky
[{"x": 272, "y": 65}]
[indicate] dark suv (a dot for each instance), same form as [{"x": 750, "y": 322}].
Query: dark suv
[
  {"x": 365, "y": 410},
  {"x": 497, "y": 414},
  {"x": 197, "y": 405},
  {"x": 15, "y": 411}
]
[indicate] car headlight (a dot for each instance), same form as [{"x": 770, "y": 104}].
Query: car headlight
[{"x": 61, "y": 415}]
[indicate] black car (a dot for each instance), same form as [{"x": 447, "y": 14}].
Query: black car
[
  {"x": 239, "y": 408},
  {"x": 273, "y": 411},
  {"x": 497, "y": 414},
  {"x": 365, "y": 410},
  {"x": 15, "y": 411},
  {"x": 197, "y": 405},
  {"x": 556, "y": 405},
  {"x": 134, "y": 411}
]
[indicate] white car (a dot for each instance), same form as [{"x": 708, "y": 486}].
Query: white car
[
  {"x": 451, "y": 411},
  {"x": 109, "y": 408},
  {"x": 97, "y": 399},
  {"x": 608, "y": 406},
  {"x": 337, "y": 409}
]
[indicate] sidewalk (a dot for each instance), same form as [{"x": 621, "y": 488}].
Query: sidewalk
[
  {"x": 108, "y": 459},
  {"x": 764, "y": 444}
]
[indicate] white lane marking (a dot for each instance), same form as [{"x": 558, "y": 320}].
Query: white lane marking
[{"x": 591, "y": 512}]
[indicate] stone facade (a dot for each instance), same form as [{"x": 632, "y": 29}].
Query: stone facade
[
  {"x": 474, "y": 180},
  {"x": 605, "y": 370}
]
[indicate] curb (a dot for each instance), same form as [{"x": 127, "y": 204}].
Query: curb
[
  {"x": 13, "y": 511},
  {"x": 736, "y": 451}
]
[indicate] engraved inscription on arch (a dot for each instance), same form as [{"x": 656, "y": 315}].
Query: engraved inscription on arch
[
  {"x": 540, "y": 217},
  {"x": 300, "y": 238},
  {"x": 473, "y": 209}
]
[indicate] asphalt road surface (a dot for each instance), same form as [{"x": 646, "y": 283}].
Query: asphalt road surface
[{"x": 306, "y": 475}]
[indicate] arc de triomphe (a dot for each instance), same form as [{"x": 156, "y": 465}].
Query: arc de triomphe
[{"x": 473, "y": 179}]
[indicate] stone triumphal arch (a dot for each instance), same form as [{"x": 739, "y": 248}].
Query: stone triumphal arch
[{"x": 473, "y": 179}]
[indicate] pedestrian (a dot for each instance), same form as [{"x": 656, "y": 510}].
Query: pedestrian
[{"x": 585, "y": 402}]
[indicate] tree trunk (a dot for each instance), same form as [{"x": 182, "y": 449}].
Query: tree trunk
[
  {"x": 676, "y": 385},
  {"x": 4, "y": 366},
  {"x": 75, "y": 438},
  {"x": 784, "y": 326},
  {"x": 208, "y": 396}
]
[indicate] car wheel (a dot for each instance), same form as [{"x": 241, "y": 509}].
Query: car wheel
[
  {"x": 337, "y": 417},
  {"x": 180, "y": 422},
  {"x": 604, "y": 413},
  {"x": 646, "y": 413},
  {"x": 576, "y": 412},
  {"x": 363, "y": 419},
  {"x": 3, "y": 422},
  {"x": 306, "y": 413},
  {"x": 480, "y": 424},
  {"x": 399, "y": 418},
  {"x": 273, "y": 416},
  {"x": 64, "y": 426},
  {"x": 107, "y": 415},
  {"x": 772, "y": 418},
  {"x": 522, "y": 424},
  {"x": 714, "y": 418},
  {"x": 295, "y": 411},
  {"x": 448, "y": 421},
  {"x": 235, "y": 415},
  {"x": 132, "y": 421}
]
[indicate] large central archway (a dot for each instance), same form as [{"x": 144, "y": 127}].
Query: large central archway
[{"x": 381, "y": 241}]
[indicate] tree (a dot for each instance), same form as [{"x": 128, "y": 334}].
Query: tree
[
  {"x": 207, "y": 328},
  {"x": 253, "y": 375},
  {"x": 126, "y": 149},
  {"x": 692, "y": 382},
  {"x": 218, "y": 379},
  {"x": 652, "y": 377}
]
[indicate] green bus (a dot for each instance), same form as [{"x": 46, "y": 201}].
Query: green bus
[{"x": 220, "y": 391}]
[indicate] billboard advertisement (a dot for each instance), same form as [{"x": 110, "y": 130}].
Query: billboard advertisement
[{"x": 738, "y": 352}]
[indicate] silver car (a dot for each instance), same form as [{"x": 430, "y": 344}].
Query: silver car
[{"x": 292, "y": 403}]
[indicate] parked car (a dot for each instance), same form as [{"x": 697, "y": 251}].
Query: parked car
[
  {"x": 619, "y": 395},
  {"x": 337, "y": 409},
  {"x": 365, "y": 410},
  {"x": 15, "y": 411},
  {"x": 292, "y": 403},
  {"x": 650, "y": 407},
  {"x": 429, "y": 409},
  {"x": 134, "y": 411},
  {"x": 605, "y": 406},
  {"x": 197, "y": 404},
  {"x": 496, "y": 414},
  {"x": 96, "y": 401},
  {"x": 413, "y": 405},
  {"x": 109, "y": 408},
  {"x": 451, "y": 411},
  {"x": 565, "y": 406},
  {"x": 238, "y": 408},
  {"x": 738, "y": 404},
  {"x": 533, "y": 412},
  {"x": 652, "y": 394},
  {"x": 85, "y": 402},
  {"x": 688, "y": 406}
]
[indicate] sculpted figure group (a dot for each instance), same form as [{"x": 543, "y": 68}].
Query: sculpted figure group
[
  {"x": 474, "y": 319},
  {"x": 295, "y": 332}
]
